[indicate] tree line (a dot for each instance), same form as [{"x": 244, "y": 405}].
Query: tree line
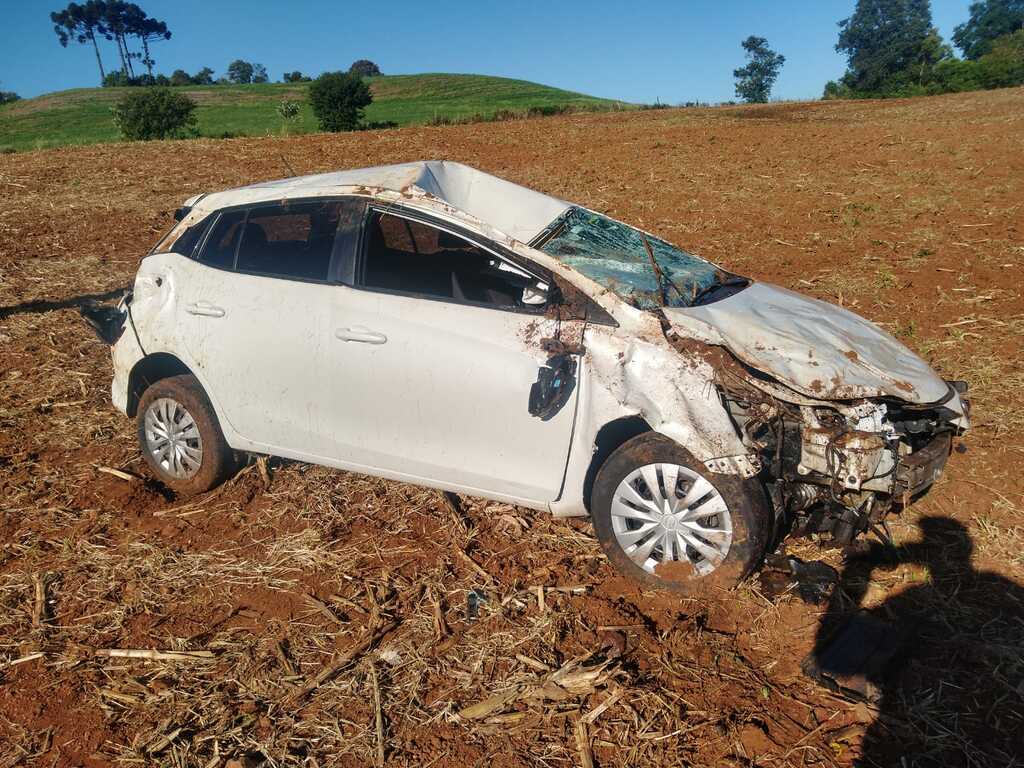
[
  {"x": 115, "y": 21},
  {"x": 893, "y": 49},
  {"x": 126, "y": 24}
]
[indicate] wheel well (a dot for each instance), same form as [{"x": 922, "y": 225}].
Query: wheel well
[
  {"x": 609, "y": 437},
  {"x": 148, "y": 371}
]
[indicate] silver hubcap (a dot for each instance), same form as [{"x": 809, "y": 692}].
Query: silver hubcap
[
  {"x": 665, "y": 512},
  {"x": 172, "y": 438}
]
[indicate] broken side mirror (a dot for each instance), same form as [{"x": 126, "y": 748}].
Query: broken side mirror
[
  {"x": 555, "y": 383},
  {"x": 535, "y": 294}
]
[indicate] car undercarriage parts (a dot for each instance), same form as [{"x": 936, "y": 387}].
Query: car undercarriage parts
[{"x": 838, "y": 468}]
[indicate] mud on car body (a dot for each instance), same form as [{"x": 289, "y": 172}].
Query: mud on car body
[{"x": 431, "y": 323}]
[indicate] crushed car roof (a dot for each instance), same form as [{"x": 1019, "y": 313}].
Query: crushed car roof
[{"x": 514, "y": 210}]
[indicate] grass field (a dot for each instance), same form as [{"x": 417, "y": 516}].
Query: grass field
[{"x": 82, "y": 115}]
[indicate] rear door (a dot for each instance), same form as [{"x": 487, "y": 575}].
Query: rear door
[
  {"x": 433, "y": 359},
  {"x": 256, "y": 316}
]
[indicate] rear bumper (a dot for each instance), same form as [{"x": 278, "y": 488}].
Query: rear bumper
[
  {"x": 918, "y": 471},
  {"x": 124, "y": 354}
]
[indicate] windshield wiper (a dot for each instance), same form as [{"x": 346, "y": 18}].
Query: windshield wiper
[
  {"x": 733, "y": 280},
  {"x": 663, "y": 280}
]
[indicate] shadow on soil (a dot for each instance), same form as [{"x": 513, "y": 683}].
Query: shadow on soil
[
  {"x": 38, "y": 306},
  {"x": 942, "y": 660}
]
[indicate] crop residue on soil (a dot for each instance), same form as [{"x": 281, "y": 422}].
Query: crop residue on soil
[{"x": 907, "y": 212}]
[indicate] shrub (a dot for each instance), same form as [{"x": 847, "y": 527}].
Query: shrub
[
  {"x": 288, "y": 111},
  {"x": 156, "y": 113},
  {"x": 294, "y": 77},
  {"x": 338, "y": 100},
  {"x": 6, "y": 97}
]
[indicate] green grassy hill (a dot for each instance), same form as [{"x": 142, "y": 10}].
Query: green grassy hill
[{"x": 82, "y": 116}]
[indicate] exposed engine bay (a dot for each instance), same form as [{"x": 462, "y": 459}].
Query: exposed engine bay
[{"x": 838, "y": 467}]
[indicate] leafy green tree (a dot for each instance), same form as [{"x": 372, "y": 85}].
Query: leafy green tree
[
  {"x": 81, "y": 23},
  {"x": 203, "y": 77},
  {"x": 1003, "y": 65},
  {"x": 259, "y": 73},
  {"x": 117, "y": 79},
  {"x": 294, "y": 77},
  {"x": 240, "y": 71},
  {"x": 754, "y": 82},
  {"x": 364, "y": 68},
  {"x": 180, "y": 77},
  {"x": 889, "y": 42},
  {"x": 116, "y": 28},
  {"x": 156, "y": 113},
  {"x": 989, "y": 19},
  {"x": 6, "y": 97},
  {"x": 146, "y": 29},
  {"x": 338, "y": 100}
]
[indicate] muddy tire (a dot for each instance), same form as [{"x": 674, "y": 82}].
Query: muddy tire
[
  {"x": 663, "y": 519},
  {"x": 180, "y": 437}
]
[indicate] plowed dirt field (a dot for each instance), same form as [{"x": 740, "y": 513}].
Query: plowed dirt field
[{"x": 908, "y": 212}]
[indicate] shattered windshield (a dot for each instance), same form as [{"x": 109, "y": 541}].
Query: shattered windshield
[{"x": 615, "y": 255}]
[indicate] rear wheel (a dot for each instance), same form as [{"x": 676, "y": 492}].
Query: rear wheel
[
  {"x": 180, "y": 437},
  {"x": 664, "y": 519}
]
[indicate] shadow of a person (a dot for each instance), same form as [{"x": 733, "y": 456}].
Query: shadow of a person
[{"x": 943, "y": 659}]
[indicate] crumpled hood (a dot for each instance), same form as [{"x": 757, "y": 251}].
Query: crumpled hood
[{"x": 814, "y": 347}]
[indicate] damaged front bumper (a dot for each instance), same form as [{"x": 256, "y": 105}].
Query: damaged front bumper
[{"x": 840, "y": 467}]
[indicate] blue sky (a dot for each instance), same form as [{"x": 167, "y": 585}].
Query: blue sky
[{"x": 641, "y": 51}]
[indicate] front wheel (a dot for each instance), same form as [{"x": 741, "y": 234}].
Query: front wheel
[
  {"x": 664, "y": 519},
  {"x": 180, "y": 437}
]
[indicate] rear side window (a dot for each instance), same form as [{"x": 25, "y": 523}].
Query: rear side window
[
  {"x": 183, "y": 239},
  {"x": 222, "y": 242},
  {"x": 290, "y": 240}
]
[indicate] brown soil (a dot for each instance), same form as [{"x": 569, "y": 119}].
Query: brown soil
[{"x": 909, "y": 212}]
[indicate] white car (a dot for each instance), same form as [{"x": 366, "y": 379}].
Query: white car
[{"x": 433, "y": 324}]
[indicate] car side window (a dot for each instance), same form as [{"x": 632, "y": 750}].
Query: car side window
[
  {"x": 183, "y": 240},
  {"x": 222, "y": 242},
  {"x": 290, "y": 240},
  {"x": 410, "y": 256}
]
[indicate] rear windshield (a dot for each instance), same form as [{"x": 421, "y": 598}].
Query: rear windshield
[{"x": 615, "y": 255}]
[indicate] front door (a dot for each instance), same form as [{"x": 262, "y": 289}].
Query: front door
[{"x": 432, "y": 362}]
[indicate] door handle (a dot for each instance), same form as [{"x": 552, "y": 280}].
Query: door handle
[
  {"x": 205, "y": 309},
  {"x": 360, "y": 334}
]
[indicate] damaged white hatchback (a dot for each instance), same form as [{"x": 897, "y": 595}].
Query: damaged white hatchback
[{"x": 431, "y": 323}]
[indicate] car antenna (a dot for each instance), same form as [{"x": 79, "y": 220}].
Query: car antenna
[{"x": 288, "y": 166}]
